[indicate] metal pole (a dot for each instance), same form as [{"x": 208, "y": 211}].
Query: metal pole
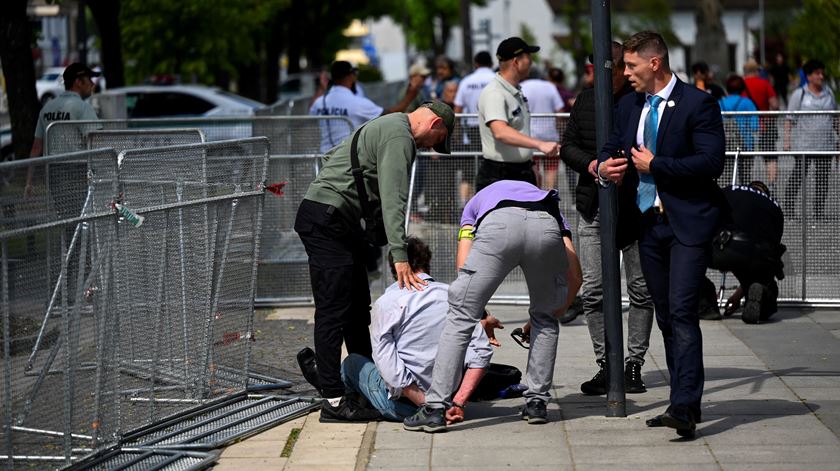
[
  {"x": 608, "y": 208},
  {"x": 260, "y": 200},
  {"x": 7, "y": 378},
  {"x": 804, "y": 212},
  {"x": 179, "y": 192}
]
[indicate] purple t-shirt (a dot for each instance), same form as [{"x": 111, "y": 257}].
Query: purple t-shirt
[{"x": 491, "y": 196}]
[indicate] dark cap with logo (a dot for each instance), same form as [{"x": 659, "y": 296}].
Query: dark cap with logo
[
  {"x": 76, "y": 70},
  {"x": 445, "y": 113},
  {"x": 341, "y": 69},
  {"x": 512, "y": 47}
]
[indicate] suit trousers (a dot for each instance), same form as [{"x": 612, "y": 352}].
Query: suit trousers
[
  {"x": 336, "y": 251},
  {"x": 674, "y": 272},
  {"x": 507, "y": 238}
]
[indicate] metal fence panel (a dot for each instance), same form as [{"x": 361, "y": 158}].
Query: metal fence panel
[
  {"x": 132, "y": 302},
  {"x": 138, "y": 138}
]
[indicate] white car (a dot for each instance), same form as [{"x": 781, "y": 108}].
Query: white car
[
  {"x": 170, "y": 101},
  {"x": 180, "y": 101},
  {"x": 50, "y": 85}
]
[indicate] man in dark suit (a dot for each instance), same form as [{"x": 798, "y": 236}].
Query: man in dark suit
[{"x": 670, "y": 202}]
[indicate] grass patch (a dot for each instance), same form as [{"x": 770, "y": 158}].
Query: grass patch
[{"x": 290, "y": 443}]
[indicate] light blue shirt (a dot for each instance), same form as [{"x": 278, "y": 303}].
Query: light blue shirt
[
  {"x": 405, "y": 331},
  {"x": 68, "y": 106}
]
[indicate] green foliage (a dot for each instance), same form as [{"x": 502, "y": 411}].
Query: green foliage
[
  {"x": 815, "y": 34},
  {"x": 649, "y": 15},
  {"x": 528, "y": 36},
  {"x": 198, "y": 39},
  {"x": 418, "y": 17},
  {"x": 369, "y": 73}
]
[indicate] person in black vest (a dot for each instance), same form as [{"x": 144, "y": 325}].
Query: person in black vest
[{"x": 751, "y": 248}]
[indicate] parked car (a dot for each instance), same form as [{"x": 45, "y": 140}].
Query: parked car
[
  {"x": 50, "y": 84},
  {"x": 179, "y": 101}
]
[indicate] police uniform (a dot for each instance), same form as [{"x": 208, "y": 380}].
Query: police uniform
[
  {"x": 341, "y": 101},
  {"x": 502, "y": 101},
  {"x": 68, "y": 106},
  {"x": 469, "y": 91}
]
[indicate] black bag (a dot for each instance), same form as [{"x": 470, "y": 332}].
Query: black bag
[
  {"x": 373, "y": 222},
  {"x": 496, "y": 379}
]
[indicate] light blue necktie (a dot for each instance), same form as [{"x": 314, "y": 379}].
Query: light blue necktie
[{"x": 646, "y": 195}]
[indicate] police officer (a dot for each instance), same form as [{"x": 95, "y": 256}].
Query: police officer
[
  {"x": 342, "y": 99},
  {"x": 751, "y": 248},
  {"x": 505, "y": 122}
]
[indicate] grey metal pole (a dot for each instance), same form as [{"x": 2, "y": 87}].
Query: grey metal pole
[
  {"x": 5, "y": 309},
  {"x": 608, "y": 208},
  {"x": 761, "y": 50}
]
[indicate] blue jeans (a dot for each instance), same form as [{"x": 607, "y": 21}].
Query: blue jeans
[{"x": 361, "y": 375}]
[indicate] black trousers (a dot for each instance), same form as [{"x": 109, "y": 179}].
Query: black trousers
[
  {"x": 337, "y": 251},
  {"x": 490, "y": 171}
]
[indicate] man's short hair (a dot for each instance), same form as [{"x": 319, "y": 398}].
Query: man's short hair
[
  {"x": 648, "y": 44},
  {"x": 419, "y": 256},
  {"x": 700, "y": 67},
  {"x": 735, "y": 85},
  {"x": 556, "y": 75},
  {"x": 812, "y": 65},
  {"x": 483, "y": 59},
  {"x": 760, "y": 186}
]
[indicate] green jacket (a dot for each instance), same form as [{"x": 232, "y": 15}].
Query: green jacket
[{"x": 386, "y": 152}]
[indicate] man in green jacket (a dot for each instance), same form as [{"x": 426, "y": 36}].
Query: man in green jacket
[{"x": 328, "y": 223}]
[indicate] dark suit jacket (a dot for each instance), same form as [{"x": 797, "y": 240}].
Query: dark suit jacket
[{"x": 689, "y": 157}]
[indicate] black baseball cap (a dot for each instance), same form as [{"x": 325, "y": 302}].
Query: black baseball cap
[
  {"x": 512, "y": 47},
  {"x": 341, "y": 69},
  {"x": 445, "y": 113},
  {"x": 76, "y": 70}
]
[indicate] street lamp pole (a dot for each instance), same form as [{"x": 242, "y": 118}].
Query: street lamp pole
[{"x": 762, "y": 55}]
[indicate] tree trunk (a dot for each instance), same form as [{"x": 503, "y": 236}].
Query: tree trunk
[
  {"x": 273, "y": 49},
  {"x": 710, "y": 43},
  {"x": 19, "y": 70},
  {"x": 106, "y": 13}
]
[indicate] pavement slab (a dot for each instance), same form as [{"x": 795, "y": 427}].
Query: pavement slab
[{"x": 771, "y": 402}]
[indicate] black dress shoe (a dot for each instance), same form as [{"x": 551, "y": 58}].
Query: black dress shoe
[
  {"x": 655, "y": 421},
  {"x": 308, "y": 366},
  {"x": 680, "y": 419}
]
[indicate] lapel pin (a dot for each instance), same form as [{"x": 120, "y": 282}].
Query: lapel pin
[{"x": 671, "y": 103}]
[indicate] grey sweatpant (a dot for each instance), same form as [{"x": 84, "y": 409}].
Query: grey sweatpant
[
  {"x": 506, "y": 238},
  {"x": 640, "y": 318}
]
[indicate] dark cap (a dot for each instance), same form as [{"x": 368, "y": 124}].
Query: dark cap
[
  {"x": 512, "y": 47},
  {"x": 341, "y": 69},
  {"x": 445, "y": 113},
  {"x": 76, "y": 70}
]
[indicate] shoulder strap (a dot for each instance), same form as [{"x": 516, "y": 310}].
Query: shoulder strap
[{"x": 358, "y": 176}]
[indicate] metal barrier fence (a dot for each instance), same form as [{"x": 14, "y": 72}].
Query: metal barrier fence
[
  {"x": 126, "y": 290},
  {"x": 442, "y": 185}
]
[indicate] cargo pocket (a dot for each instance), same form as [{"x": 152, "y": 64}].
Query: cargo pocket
[{"x": 460, "y": 287}]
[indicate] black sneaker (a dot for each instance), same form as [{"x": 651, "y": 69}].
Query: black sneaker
[
  {"x": 427, "y": 420},
  {"x": 597, "y": 386},
  {"x": 309, "y": 368},
  {"x": 633, "y": 383},
  {"x": 348, "y": 410},
  {"x": 752, "y": 308},
  {"x": 534, "y": 412}
]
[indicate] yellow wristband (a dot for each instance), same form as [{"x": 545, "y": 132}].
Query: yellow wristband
[{"x": 466, "y": 232}]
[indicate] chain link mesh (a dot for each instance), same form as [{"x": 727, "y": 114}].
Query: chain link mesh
[{"x": 127, "y": 289}]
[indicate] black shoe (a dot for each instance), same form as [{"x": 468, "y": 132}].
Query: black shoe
[
  {"x": 427, "y": 420},
  {"x": 348, "y": 410},
  {"x": 308, "y": 366},
  {"x": 769, "y": 305},
  {"x": 655, "y": 421},
  {"x": 752, "y": 308},
  {"x": 597, "y": 386},
  {"x": 534, "y": 412},
  {"x": 572, "y": 312},
  {"x": 633, "y": 383},
  {"x": 680, "y": 419}
]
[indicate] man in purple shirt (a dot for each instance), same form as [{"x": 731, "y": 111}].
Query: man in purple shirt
[{"x": 505, "y": 225}]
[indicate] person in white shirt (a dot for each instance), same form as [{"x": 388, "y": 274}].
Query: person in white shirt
[
  {"x": 405, "y": 331},
  {"x": 543, "y": 97},
  {"x": 340, "y": 100}
]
